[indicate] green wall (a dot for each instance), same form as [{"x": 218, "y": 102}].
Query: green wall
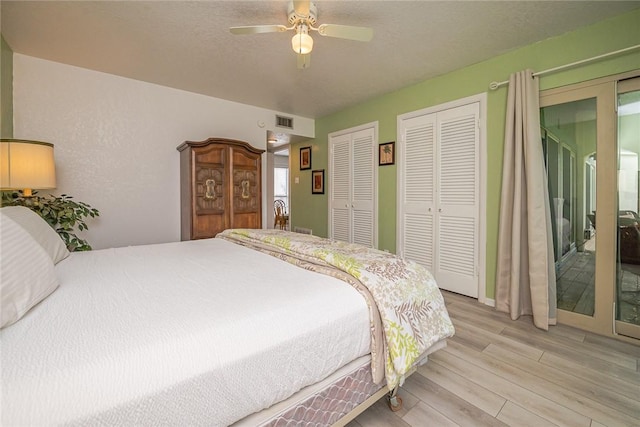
[
  {"x": 617, "y": 33},
  {"x": 6, "y": 89}
]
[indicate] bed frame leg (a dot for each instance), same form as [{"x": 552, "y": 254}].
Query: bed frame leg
[{"x": 394, "y": 401}]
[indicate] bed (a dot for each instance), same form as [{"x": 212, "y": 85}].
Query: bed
[{"x": 231, "y": 330}]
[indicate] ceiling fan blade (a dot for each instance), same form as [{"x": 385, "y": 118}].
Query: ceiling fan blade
[
  {"x": 257, "y": 29},
  {"x": 301, "y": 7},
  {"x": 304, "y": 61},
  {"x": 362, "y": 34}
]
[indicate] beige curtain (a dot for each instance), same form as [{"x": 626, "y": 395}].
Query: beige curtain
[{"x": 525, "y": 279}]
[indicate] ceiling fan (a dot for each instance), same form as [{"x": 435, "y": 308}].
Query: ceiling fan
[{"x": 303, "y": 16}]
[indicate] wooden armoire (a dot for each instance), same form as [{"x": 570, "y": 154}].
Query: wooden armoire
[{"x": 220, "y": 187}]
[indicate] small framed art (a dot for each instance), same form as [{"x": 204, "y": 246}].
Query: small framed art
[
  {"x": 317, "y": 182},
  {"x": 305, "y": 158},
  {"x": 387, "y": 154}
]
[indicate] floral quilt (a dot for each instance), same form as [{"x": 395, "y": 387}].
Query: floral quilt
[{"x": 409, "y": 304}]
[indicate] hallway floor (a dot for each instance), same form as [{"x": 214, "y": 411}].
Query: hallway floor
[{"x": 576, "y": 283}]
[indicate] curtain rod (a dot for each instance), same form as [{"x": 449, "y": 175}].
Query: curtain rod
[{"x": 496, "y": 85}]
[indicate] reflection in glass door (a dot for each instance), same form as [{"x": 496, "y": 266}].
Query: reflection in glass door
[
  {"x": 628, "y": 218},
  {"x": 578, "y": 137},
  {"x": 591, "y": 141},
  {"x": 568, "y": 137}
]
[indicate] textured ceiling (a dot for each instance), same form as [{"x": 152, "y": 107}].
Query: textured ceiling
[{"x": 187, "y": 45}]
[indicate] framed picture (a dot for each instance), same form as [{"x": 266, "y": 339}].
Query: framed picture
[
  {"x": 387, "y": 153},
  {"x": 317, "y": 182},
  {"x": 305, "y": 158}
]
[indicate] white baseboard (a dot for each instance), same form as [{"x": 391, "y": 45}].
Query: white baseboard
[{"x": 490, "y": 302}]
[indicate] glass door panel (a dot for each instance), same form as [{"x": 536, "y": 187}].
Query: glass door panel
[
  {"x": 628, "y": 219},
  {"x": 592, "y": 156},
  {"x": 569, "y": 135}
]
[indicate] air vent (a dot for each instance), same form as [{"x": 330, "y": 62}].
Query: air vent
[{"x": 284, "y": 122}]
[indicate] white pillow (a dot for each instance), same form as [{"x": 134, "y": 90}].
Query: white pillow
[
  {"x": 41, "y": 232},
  {"x": 27, "y": 272}
]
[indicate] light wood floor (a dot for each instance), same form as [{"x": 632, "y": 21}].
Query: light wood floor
[{"x": 497, "y": 372}]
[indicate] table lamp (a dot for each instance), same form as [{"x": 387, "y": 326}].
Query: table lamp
[{"x": 26, "y": 165}]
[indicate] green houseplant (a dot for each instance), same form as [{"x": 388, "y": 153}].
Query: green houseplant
[{"x": 62, "y": 213}]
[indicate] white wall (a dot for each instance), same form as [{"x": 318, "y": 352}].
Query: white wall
[{"x": 115, "y": 142}]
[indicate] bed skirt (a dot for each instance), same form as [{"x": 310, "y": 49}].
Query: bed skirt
[
  {"x": 334, "y": 401},
  {"x": 324, "y": 403}
]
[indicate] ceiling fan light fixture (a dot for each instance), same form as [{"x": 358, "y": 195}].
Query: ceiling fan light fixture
[
  {"x": 302, "y": 42},
  {"x": 302, "y": 16}
]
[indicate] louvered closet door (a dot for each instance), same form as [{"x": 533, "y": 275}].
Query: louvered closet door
[
  {"x": 458, "y": 199},
  {"x": 340, "y": 188},
  {"x": 417, "y": 192},
  {"x": 352, "y": 186},
  {"x": 362, "y": 199},
  {"x": 438, "y": 188}
]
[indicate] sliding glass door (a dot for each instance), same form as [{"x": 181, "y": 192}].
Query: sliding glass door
[
  {"x": 593, "y": 184},
  {"x": 569, "y": 133},
  {"x": 628, "y": 219},
  {"x": 571, "y": 142}
]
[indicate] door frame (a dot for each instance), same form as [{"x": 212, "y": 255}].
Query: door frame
[
  {"x": 605, "y": 91},
  {"x": 620, "y": 327}
]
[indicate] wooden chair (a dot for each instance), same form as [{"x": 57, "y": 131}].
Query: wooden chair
[{"x": 281, "y": 218}]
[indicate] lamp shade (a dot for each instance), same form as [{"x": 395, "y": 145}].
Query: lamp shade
[
  {"x": 26, "y": 165},
  {"x": 302, "y": 42}
]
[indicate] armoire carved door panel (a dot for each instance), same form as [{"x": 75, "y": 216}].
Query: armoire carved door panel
[
  {"x": 210, "y": 180},
  {"x": 245, "y": 191},
  {"x": 220, "y": 187},
  {"x": 247, "y": 196}
]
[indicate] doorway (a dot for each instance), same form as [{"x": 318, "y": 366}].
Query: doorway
[
  {"x": 591, "y": 143},
  {"x": 281, "y": 189}
]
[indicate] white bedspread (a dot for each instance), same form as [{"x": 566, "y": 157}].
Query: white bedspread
[{"x": 199, "y": 332}]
